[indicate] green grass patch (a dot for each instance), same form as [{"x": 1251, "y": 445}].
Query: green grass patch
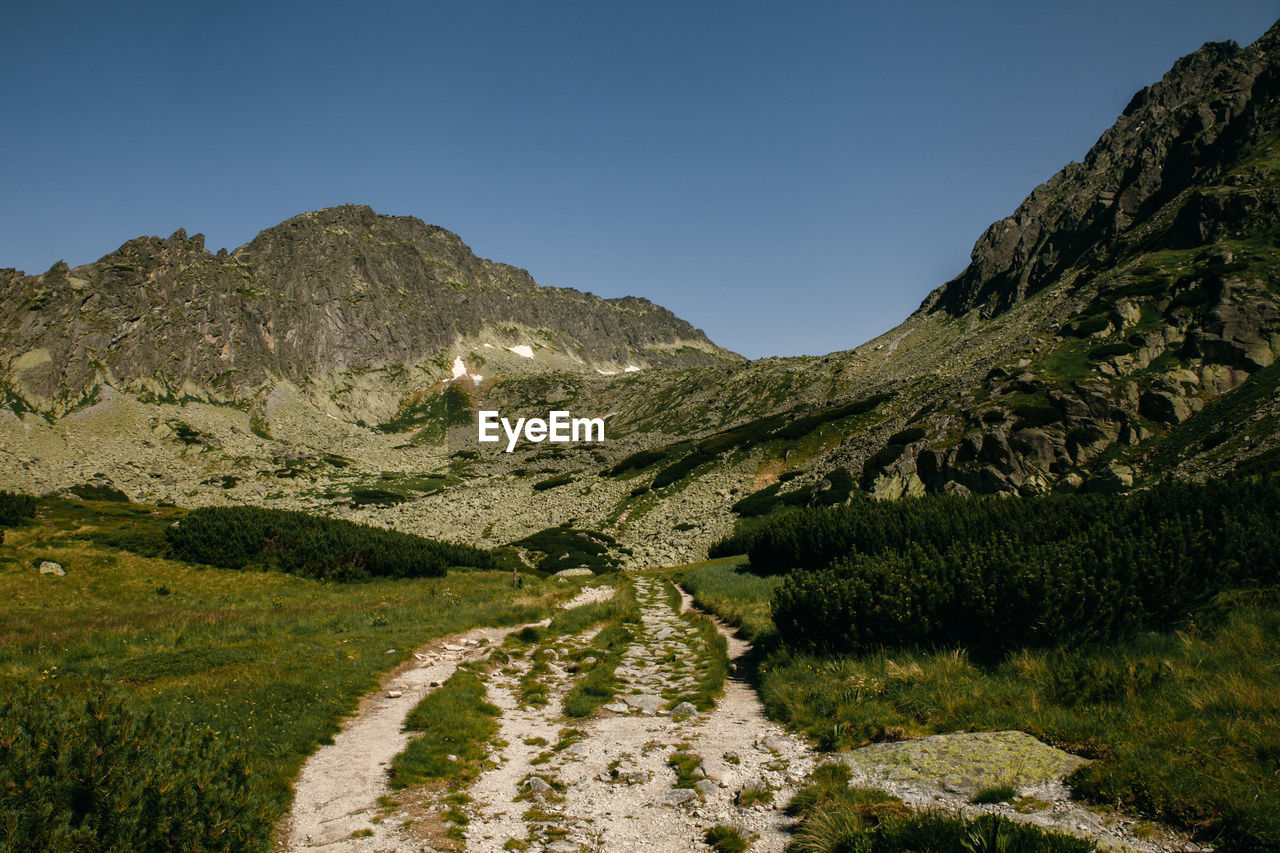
[
  {"x": 834, "y": 818},
  {"x": 993, "y": 795},
  {"x": 726, "y": 839},
  {"x": 1184, "y": 727},
  {"x": 270, "y": 662},
  {"x": 456, "y": 722},
  {"x": 599, "y": 685},
  {"x": 740, "y": 598}
]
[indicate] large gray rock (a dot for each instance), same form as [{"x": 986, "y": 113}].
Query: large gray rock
[
  {"x": 52, "y": 569},
  {"x": 965, "y": 762},
  {"x": 683, "y": 711},
  {"x": 645, "y": 703},
  {"x": 1164, "y": 407}
]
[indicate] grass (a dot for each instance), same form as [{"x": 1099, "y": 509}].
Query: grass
[
  {"x": 740, "y": 598},
  {"x": 456, "y": 722},
  {"x": 995, "y": 794},
  {"x": 834, "y": 818},
  {"x": 1185, "y": 725},
  {"x": 685, "y": 764},
  {"x": 600, "y": 685},
  {"x": 270, "y": 661},
  {"x": 715, "y": 655},
  {"x": 726, "y": 839}
]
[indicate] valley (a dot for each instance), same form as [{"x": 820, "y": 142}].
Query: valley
[{"x": 1003, "y": 578}]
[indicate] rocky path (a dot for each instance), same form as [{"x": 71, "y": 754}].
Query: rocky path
[
  {"x": 644, "y": 772},
  {"x": 607, "y": 782}
]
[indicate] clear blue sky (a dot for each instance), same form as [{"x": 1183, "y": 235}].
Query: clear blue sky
[{"x": 790, "y": 177}]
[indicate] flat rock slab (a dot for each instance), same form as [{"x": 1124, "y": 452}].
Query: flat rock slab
[
  {"x": 966, "y": 762},
  {"x": 646, "y": 703}
]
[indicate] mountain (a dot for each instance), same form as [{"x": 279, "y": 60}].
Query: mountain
[
  {"x": 336, "y": 290},
  {"x": 1121, "y": 327}
]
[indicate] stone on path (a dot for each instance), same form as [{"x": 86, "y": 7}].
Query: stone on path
[
  {"x": 49, "y": 567},
  {"x": 645, "y": 703},
  {"x": 679, "y": 796},
  {"x": 683, "y": 711}
]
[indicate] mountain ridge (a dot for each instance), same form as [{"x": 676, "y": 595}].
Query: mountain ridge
[{"x": 339, "y": 289}]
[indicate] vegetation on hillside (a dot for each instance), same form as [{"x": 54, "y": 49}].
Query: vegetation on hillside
[
  {"x": 268, "y": 662},
  {"x": 312, "y": 546},
  {"x": 566, "y": 547},
  {"x": 994, "y": 575}
]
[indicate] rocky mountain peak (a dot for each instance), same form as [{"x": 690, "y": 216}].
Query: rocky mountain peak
[
  {"x": 1176, "y": 135},
  {"x": 343, "y": 288}
]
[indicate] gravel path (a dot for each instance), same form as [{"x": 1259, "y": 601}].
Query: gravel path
[
  {"x": 612, "y": 788},
  {"x": 604, "y": 783},
  {"x": 338, "y": 790}
]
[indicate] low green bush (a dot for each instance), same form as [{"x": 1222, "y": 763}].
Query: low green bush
[
  {"x": 566, "y": 547},
  {"x": 88, "y": 774},
  {"x": 15, "y": 509},
  {"x": 552, "y": 482},
  {"x": 312, "y": 546}
]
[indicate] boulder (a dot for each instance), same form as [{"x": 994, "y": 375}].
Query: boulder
[
  {"x": 1164, "y": 407},
  {"x": 966, "y": 762},
  {"x": 538, "y": 788},
  {"x": 683, "y": 711},
  {"x": 679, "y": 796},
  {"x": 574, "y": 573},
  {"x": 48, "y": 567}
]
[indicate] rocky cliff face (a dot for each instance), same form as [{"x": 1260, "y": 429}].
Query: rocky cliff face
[
  {"x": 1146, "y": 282},
  {"x": 334, "y": 290},
  {"x": 1174, "y": 144}
]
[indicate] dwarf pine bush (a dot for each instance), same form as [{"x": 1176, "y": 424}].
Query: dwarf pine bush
[{"x": 88, "y": 774}]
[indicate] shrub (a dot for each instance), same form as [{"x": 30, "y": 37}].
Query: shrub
[
  {"x": 91, "y": 775},
  {"x": 907, "y": 436},
  {"x": 992, "y": 575},
  {"x": 99, "y": 492},
  {"x": 552, "y": 482},
  {"x": 638, "y": 461},
  {"x": 566, "y": 547},
  {"x": 15, "y": 509},
  {"x": 312, "y": 546}
]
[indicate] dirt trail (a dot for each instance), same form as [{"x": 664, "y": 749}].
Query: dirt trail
[
  {"x": 611, "y": 787},
  {"x": 339, "y": 787},
  {"x": 604, "y": 783}
]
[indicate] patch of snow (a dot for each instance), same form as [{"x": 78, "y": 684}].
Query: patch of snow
[
  {"x": 523, "y": 350},
  {"x": 475, "y": 378},
  {"x": 459, "y": 367},
  {"x": 631, "y": 368},
  {"x": 606, "y": 372},
  {"x": 488, "y": 346}
]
